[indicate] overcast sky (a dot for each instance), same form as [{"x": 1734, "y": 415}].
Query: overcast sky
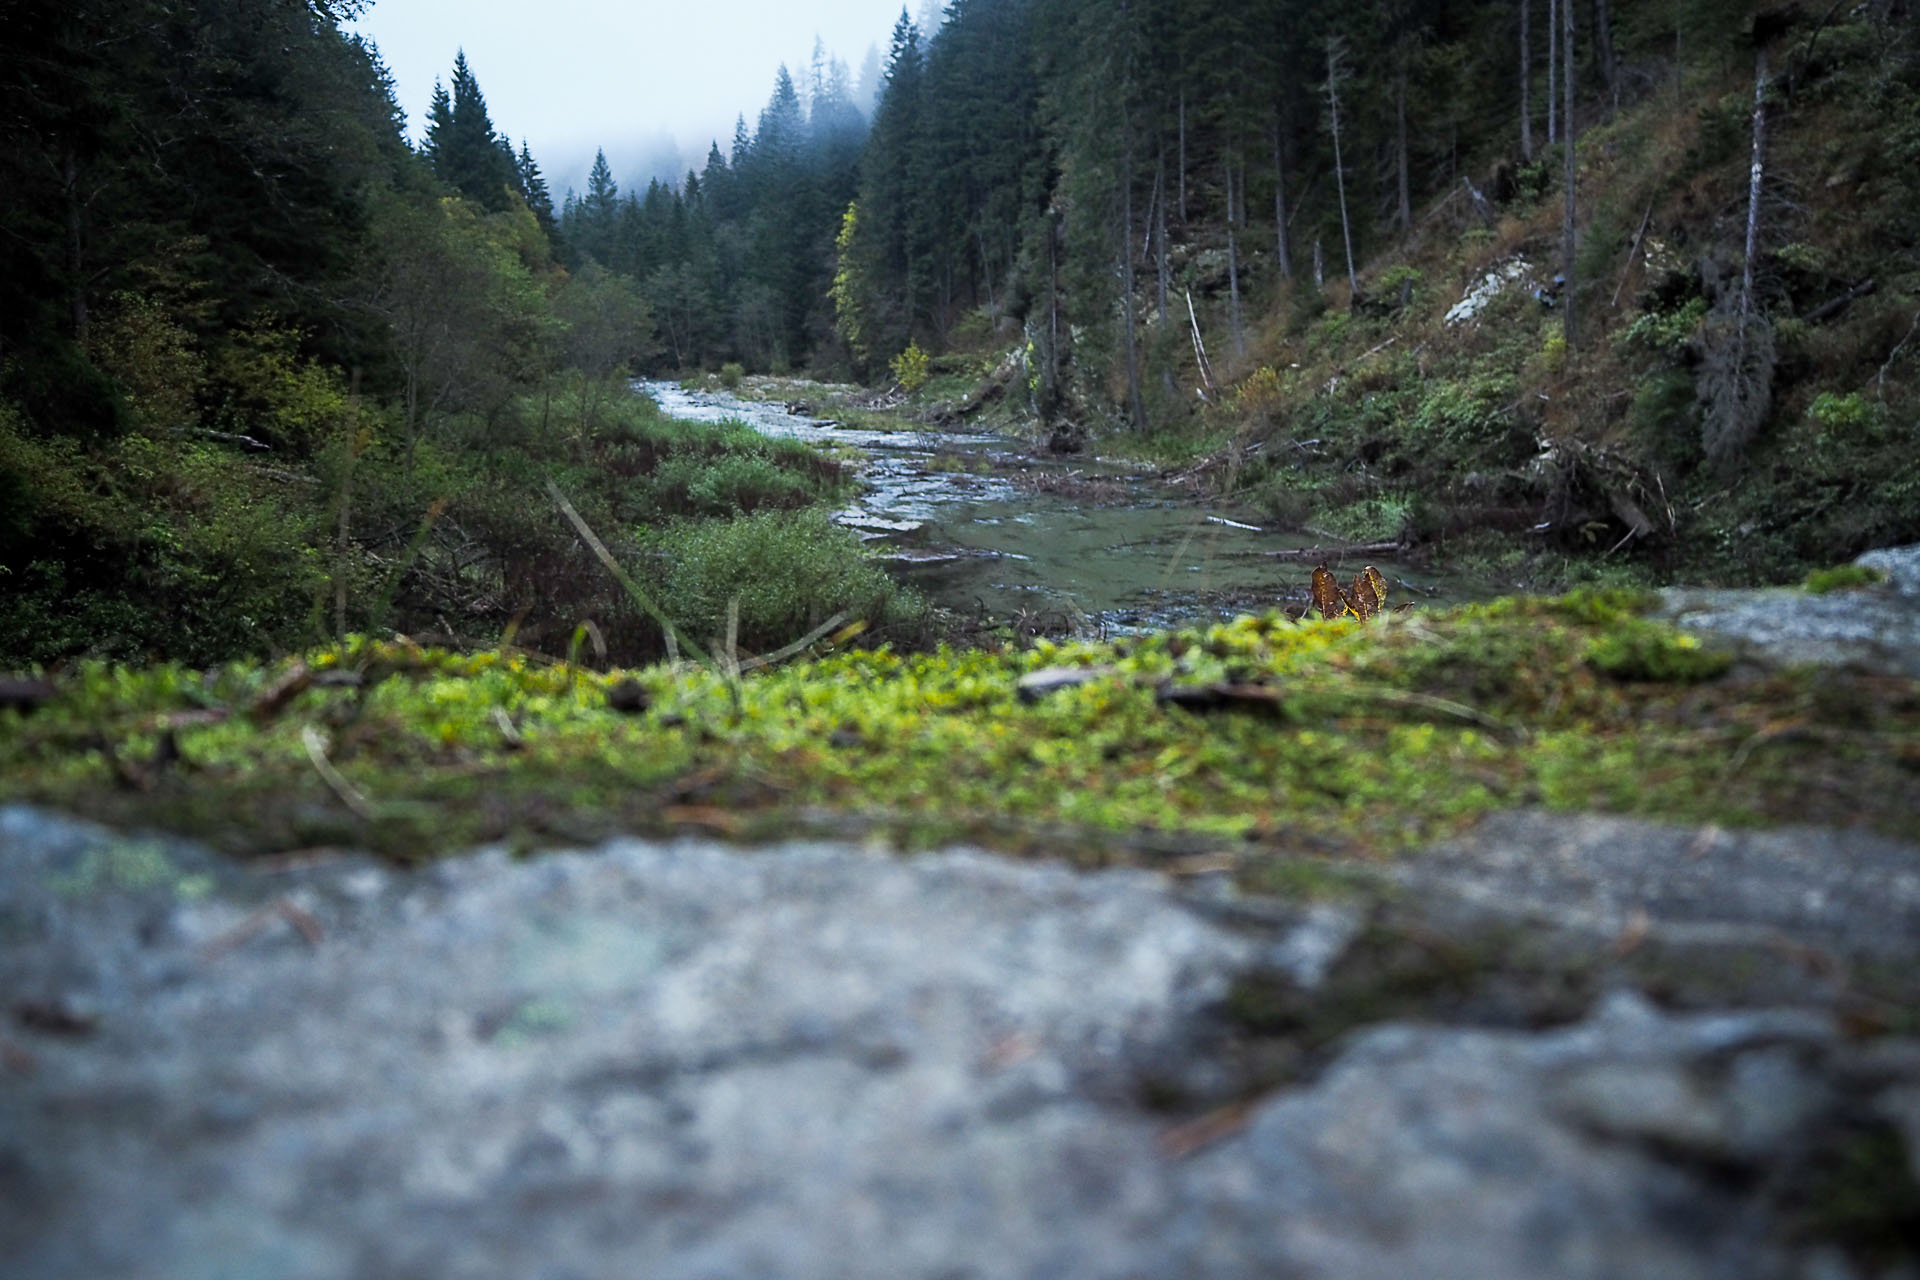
[{"x": 650, "y": 81}]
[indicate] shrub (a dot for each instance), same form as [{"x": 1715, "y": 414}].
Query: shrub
[
  {"x": 911, "y": 368},
  {"x": 790, "y": 571},
  {"x": 732, "y": 374}
]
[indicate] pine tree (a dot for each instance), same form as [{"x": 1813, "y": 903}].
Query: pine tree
[
  {"x": 533, "y": 189},
  {"x": 465, "y": 151}
]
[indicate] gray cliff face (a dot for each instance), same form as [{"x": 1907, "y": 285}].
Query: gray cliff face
[{"x": 683, "y": 1060}]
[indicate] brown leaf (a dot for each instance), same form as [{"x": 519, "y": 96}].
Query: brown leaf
[
  {"x": 1379, "y": 585},
  {"x": 1327, "y": 596},
  {"x": 1362, "y": 599}
]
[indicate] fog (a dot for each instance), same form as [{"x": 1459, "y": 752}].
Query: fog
[{"x": 652, "y": 84}]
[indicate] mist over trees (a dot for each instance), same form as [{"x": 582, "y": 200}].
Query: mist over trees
[{"x": 1035, "y": 161}]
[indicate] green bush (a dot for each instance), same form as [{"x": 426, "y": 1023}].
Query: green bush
[
  {"x": 911, "y": 368},
  {"x": 732, "y": 375},
  {"x": 790, "y": 572}
]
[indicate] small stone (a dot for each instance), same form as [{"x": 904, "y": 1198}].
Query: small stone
[
  {"x": 1036, "y": 685},
  {"x": 1309, "y": 952},
  {"x": 629, "y": 697}
]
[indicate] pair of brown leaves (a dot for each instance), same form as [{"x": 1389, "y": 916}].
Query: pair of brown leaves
[{"x": 1367, "y": 597}]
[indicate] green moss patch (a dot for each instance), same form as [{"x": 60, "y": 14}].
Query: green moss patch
[
  {"x": 1846, "y": 577},
  {"x": 1321, "y": 737}
]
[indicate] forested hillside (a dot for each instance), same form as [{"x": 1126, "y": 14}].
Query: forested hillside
[
  {"x": 268, "y": 374},
  {"x": 1237, "y": 230}
]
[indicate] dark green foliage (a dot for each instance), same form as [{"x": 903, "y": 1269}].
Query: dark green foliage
[{"x": 266, "y": 374}]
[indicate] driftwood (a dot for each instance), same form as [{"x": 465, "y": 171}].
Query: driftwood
[
  {"x": 1834, "y": 306},
  {"x": 1317, "y": 554}
]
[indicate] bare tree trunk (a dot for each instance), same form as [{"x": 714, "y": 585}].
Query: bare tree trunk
[
  {"x": 1553, "y": 70},
  {"x": 1526, "y": 82},
  {"x": 1569, "y": 288},
  {"x": 1603, "y": 53},
  {"x": 1183, "y": 158},
  {"x": 1136, "y": 406},
  {"x": 1160, "y": 230},
  {"x": 1233, "y": 268},
  {"x": 1281, "y": 248},
  {"x": 1319, "y": 267},
  {"x": 1403, "y": 211},
  {"x": 1334, "y": 70},
  {"x": 1679, "y": 88},
  {"x": 1735, "y": 377},
  {"x": 343, "y": 529},
  {"x": 1755, "y": 175},
  {"x": 76, "y": 250}
]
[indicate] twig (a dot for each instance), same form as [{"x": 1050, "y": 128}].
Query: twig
[
  {"x": 1880, "y": 379},
  {"x": 782, "y": 654},
  {"x": 226, "y": 437},
  {"x": 1632, "y": 250},
  {"x": 316, "y": 745},
  {"x": 1317, "y": 554},
  {"x": 675, "y": 641},
  {"x": 282, "y": 908},
  {"x": 1210, "y": 389},
  {"x": 1427, "y": 702},
  {"x": 1834, "y": 306},
  {"x": 1372, "y": 351}
]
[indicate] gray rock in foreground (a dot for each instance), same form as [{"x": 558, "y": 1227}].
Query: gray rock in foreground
[{"x": 685, "y": 1061}]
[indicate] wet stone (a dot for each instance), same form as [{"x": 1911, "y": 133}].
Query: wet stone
[{"x": 684, "y": 1060}]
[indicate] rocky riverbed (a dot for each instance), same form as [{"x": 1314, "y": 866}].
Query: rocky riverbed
[{"x": 1558, "y": 1045}]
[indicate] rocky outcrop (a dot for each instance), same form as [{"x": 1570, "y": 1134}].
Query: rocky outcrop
[
  {"x": 683, "y": 1060},
  {"x": 1876, "y": 627}
]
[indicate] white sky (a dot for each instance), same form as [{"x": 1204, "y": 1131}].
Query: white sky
[{"x": 651, "y": 81}]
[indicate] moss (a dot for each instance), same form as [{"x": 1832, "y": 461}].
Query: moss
[
  {"x": 1645, "y": 651},
  {"x": 1845, "y": 577},
  {"x": 1858, "y": 1191},
  {"x": 1355, "y": 742}
]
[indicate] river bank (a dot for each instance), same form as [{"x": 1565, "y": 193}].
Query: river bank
[{"x": 994, "y": 525}]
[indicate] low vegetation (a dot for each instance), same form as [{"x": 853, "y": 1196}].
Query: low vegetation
[{"x": 1245, "y": 740}]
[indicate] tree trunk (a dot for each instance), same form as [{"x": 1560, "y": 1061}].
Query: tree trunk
[
  {"x": 1754, "y": 178},
  {"x": 76, "y": 250},
  {"x": 1569, "y": 286},
  {"x": 1339, "y": 173},
  {"x": 1526, "y": 82},
  {"x": 1281, "y": 249},
  {"x": 1136, "y": 406},
  {"x": 1553, "y": 70},
  {"x": 1233, "y": 268},
  {"x": 1160, "y": 230},
  {"x": 1183, "y": 159},
  {"x": 1403, "y": 211},
  {"x": 1603, "y": 54}
]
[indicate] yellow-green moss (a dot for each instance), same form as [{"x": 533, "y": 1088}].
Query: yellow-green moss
[
  {"x": 1356, "y": 740},
  {"x": 1843, "y": 577}
]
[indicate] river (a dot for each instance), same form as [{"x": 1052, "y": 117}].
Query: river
[{"x": 979, "y": 523}]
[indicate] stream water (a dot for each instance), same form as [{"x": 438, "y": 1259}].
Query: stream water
[{"x": 978, "y": 522}]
